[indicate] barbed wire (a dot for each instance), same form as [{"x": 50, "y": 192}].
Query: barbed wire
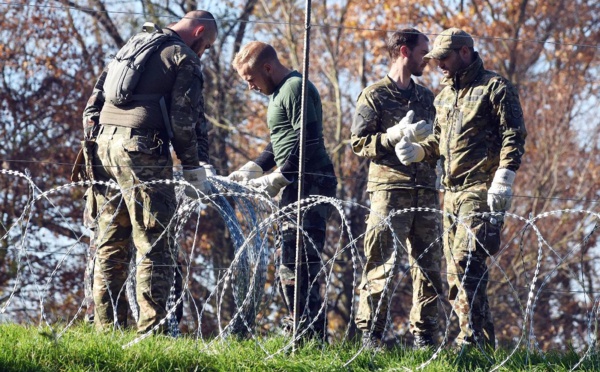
[
  {"x": 341, "y": 178},
  {"x": 317, "y": 25},
  {"x": 402, "y": 266},
  {"x": 536, "y": 288}
]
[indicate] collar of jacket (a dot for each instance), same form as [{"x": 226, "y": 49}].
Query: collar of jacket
[
  {"x": 416, "y": 92},
  {"x": 172, "y": 33},
  {"x": 466, "y": 76}
]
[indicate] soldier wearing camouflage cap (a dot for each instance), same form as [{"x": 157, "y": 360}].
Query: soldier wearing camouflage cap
[
  {"x": 479, "y": 134},
  {"x": 129, "y": 144},
  {"x": 385, "y": 112}
]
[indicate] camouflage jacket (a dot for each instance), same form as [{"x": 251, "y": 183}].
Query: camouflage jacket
[
  {"x": 380, "y": 106},
  {"x": 175, "y": 71},
  {"x": 478, "y": 128}
]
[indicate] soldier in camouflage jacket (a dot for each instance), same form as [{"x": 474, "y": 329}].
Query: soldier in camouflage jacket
[
  {"x": 130, "y": 147},
  {"x": 384, "y": 114},
  {"x": 479, "y": 135}
]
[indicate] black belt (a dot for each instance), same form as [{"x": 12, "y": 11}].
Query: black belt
[{"x": 115, "y": 129}]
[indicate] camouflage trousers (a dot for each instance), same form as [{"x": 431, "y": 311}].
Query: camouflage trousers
[
  {"x": 418, "y": 233},
  {"x": 313, "y": 240},
  {"x": 138, "y": 213},
  {"x": 467, "y": 245},
  {"x": 89, "y": 216}
]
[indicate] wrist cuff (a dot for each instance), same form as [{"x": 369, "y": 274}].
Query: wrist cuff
[{"x": 504, "y": 176}]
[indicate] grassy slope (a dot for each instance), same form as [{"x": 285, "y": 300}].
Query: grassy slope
[{"x": 82, "y": 349}]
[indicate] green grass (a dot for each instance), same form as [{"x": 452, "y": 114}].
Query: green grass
[{"x": 82, "y": 349}]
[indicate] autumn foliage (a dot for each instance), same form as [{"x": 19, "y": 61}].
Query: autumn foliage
[{"x": 51, "y": 53}]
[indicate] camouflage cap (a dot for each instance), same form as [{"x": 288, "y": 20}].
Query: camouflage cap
[{"x": 449, "y": 40}]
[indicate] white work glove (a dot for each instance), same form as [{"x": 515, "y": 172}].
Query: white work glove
[
  {"x": 210, "y": 170},
  {"x": 249, "y": 171},
  {"x": 396, "y": 132},
  {"x": 500, "y": 193},
  {"x": 271, "y": 183},
  {"x": 418, "y": 131},
  {"x": 408, "y": 152},
  {"x": 197, "y": 178},
  {"x": 405, "y": 128}
]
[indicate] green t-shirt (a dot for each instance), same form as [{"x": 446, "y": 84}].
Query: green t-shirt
[{"x": 284, "y": 117}]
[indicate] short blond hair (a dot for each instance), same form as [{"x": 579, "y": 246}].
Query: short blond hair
[{"x": 253, "y": 54}]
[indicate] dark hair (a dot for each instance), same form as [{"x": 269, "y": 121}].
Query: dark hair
[
  {"x": 407, "y": 36},
  {"x": 208, "y": 16},
  {"x": 198, "y": 17}
]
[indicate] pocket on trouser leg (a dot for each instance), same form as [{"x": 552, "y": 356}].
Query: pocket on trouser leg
[
  {"x": 488, "y": 235},
  {"x": 288, "y": 250},
  {"x": 378, "y": 246},
  {"x": 157, "y": 210}
]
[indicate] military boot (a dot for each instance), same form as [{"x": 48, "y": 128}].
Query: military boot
[
  {"x": 424, "y": 341},
  {"x": 287, "y": 325},
  {"x": 372, "y": 341}
]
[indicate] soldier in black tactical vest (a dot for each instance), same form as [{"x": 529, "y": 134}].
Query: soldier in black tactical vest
[{"x": 150, "y": 95}]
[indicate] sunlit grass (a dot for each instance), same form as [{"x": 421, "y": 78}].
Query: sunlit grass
[{"x": 81, "y": 348}]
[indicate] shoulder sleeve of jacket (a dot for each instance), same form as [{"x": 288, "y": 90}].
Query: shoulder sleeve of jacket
[
  {"x": 91, "y": 112},
  {"x": 365, "y": 116},
  {"x": 507, "y": 107},
  {"x": 368, "y": 139},
  {"x": 187, "y": 109}
]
